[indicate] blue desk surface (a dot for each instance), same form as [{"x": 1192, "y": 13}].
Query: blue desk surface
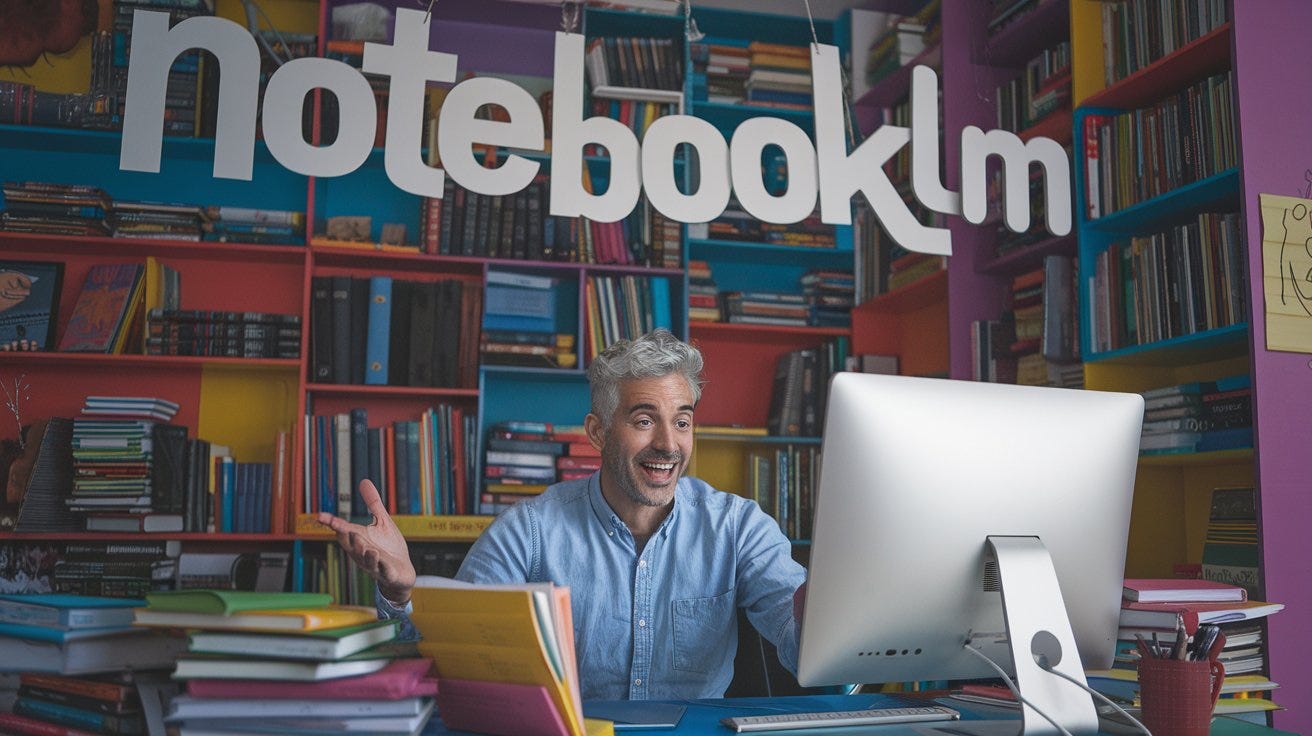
[{"x": 703, "y": 716}]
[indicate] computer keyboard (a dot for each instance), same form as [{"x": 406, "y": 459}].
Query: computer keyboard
[{"x": 870, "y": 717}]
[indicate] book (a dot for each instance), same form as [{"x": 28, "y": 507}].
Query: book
[
  {"x": 231, "y": 601},
  {"x": 1168, "y": 590},
  {"x": 1166, "y": 615},
  {"x": 377, "y": 342},
  {"x": 511, "y": 634},
  {"x": 107, "y": 650},
  {"x": 329, "y": 644},
  {"x": 19, "y": 725},
  {"x": 102, "y": 311},
  {"x": 288, "y": 619},
  {"x": 129, "y": 522},
  {"x": 186, "y": 707},
  {"x": 65, "y": 611},
  {"x": 400, "y": 678},
  {"x": 29, "y": 299},
  {"x": 273, "y": 669}
]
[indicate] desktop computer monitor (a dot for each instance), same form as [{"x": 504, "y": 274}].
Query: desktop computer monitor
[{"x": 941, "y": 500}]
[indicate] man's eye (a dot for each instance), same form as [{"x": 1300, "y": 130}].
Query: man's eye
[{"x": 683, "y": 424}]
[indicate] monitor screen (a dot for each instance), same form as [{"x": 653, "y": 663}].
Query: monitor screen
[{"x": 916, "y": 474}]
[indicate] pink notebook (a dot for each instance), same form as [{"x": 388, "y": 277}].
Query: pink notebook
[
  {"x": 403, "y": 678},
  {"x": 498, "y": 708}
]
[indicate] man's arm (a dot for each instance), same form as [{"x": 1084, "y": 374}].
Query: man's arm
[
  {"x": 771, "y": 584},
  {"x": 379, "y": 548}
]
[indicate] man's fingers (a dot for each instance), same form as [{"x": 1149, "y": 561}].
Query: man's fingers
[{"x": 373, "y": 500}]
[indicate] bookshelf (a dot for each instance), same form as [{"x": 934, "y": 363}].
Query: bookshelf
[{"x": 243, "y": 402}]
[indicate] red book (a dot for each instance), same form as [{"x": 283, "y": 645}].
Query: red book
[
  {"x": 24, "y": 726},
  {"x": 1167, "y": 615},
  {"x": 403, "y": 678}
]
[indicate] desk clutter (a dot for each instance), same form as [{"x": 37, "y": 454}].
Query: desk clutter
[{"x": 206, "y": 661}]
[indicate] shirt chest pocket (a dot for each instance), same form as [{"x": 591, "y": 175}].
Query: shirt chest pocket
[{"x": 702, "y": 628}]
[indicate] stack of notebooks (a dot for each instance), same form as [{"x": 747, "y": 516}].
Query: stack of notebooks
[
  {"x": 288, "y": 663},
  {"x": 71, "y": 653},
  {"x": 1156, "y": 609}
]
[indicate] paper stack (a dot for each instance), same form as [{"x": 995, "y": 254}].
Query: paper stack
[{"x": 289, "y": 663}]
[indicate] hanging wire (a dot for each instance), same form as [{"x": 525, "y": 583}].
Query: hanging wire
[
  {"x": 253, "y": 15},
  {"x": 428, "y": 13},
  {"x": 569, "y": 16},
  {"x": 846, "y": 84}
]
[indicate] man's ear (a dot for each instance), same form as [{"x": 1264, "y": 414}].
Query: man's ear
[{"x": 596, "y": 431}]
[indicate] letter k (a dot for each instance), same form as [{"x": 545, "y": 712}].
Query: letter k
[{"x": 843, "y": 175}]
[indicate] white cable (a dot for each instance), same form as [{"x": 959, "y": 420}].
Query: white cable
[
  {"x": 1014, "y": 690},
  {"x": 1098, "y": 695}
]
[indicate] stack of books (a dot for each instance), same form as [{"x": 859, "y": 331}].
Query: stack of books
[
  {"x": 703, "y": 294},
  {"x": 57, "y": 209},
  {"x": 254, "y": 640},
  {"x": 119, "y": 569},
  {"x": 1158, "y": 610},
  {"x": 1231, "y": 549},
  {"x": 524, "y": 457},
  {"x": 519, "y": 323},
  {"x": 1199, "y": 416},
  {"x": 830, "y": 295},
  {"x": 226, "y": 224},
  {"x": 155, "y": 220},
  {"x": 55, "y": 641},
  {"x": 780, "y": 75},
  {"x": 720, "y": 70},
  {"x": 504, "y": 656},
  {"x": 129, "y": 465}
]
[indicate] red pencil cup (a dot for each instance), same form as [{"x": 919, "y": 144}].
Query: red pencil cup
[{"x": 1178, "y": 695}]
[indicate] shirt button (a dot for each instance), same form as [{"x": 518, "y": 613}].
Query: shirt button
[
  {"x": 638, "y": 681},
  {"x": 610, "y": 534},
  {"x": 642, "y": 563},
  {"x": 642, "y": 622}
]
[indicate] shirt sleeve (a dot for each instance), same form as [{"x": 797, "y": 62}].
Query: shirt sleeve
[
  {"x": 389, "y": 612},
  {"x": 768, "y": 576}
]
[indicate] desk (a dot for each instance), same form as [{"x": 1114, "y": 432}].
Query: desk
[{"x": 703, "y": 717}]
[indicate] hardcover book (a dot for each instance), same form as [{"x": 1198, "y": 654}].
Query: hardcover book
[
  {"x": 103, "y": 308},
  {"x": 29, "y": 296}
]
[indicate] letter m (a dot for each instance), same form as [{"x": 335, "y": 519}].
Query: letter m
[
  {"x": 154, "y": 48},
  {"x": 977, "y": 146}
]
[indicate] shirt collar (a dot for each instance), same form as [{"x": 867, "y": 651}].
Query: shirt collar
[{"x": 610, "y": 520}]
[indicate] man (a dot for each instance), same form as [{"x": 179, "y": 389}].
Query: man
[{"x": 656, "y": 563}]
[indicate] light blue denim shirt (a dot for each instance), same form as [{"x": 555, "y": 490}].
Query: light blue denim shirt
[{"x": 662, "y": 625}]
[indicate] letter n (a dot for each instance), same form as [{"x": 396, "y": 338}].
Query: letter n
[{"x": 154, "y": 48}]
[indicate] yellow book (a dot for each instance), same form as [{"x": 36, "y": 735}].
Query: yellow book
[
  {"x": 280, "y": 620},
  {"x": 510, "y": 634}
]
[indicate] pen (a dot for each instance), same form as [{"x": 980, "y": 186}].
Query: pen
[
  {"x": 1143, "y": 647},
  {"x": 1181, "y": 642}
]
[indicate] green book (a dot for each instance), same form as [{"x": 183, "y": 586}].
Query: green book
[{"x": 231, "y": 601}]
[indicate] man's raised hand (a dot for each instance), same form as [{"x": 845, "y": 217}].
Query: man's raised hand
[{"x": 379, "y": 548}]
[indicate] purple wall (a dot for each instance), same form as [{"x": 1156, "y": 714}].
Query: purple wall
[{"x": 1274, "y": 85}]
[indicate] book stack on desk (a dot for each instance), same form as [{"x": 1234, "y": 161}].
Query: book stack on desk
[
  {"x": 504, "y": 656},
  {"x": 70, "y": 653},
  {"x": 244, "y": 645},
  {"x": 1156, "y": 610}
]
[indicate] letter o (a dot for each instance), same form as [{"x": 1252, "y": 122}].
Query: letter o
[
  {"x": 284, "y": 97},
  {"x": 749, "y": 140},
  {"x": 658, "y": 147}
]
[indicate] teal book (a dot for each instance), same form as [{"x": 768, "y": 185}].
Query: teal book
[
  {"x": 66, "y": 611},
  {"x": 231, "y": 601},
  {"x": 59, "y": 636},
  {"x": 660, "y": 303}
]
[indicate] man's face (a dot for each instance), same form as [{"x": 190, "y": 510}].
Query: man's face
[{"x": 648, "y": 441}]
